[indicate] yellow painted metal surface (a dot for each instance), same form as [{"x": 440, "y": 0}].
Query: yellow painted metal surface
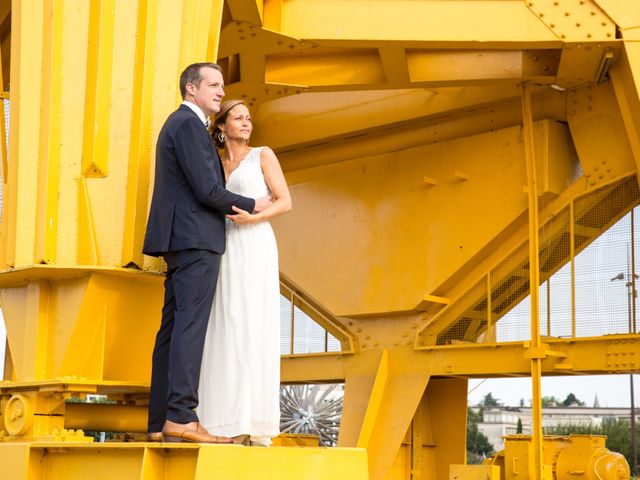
[
  {"x": 575, "y": 456},
  {"x": 399, "y": 125},
  {"x": 143, "y": 461}
]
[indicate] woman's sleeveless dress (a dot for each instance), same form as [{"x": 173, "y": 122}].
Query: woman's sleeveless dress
[{"x": 240, "y": 375}]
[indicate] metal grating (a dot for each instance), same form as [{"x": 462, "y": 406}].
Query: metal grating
[
  {"x": 603, "y": 234},
  {"x": 467, "y": 319}
]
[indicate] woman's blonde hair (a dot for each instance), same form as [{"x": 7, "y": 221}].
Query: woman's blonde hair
[{"x": 221, "y": 118}]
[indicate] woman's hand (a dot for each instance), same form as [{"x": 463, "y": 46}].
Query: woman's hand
[{"x": 242, "y": 217}]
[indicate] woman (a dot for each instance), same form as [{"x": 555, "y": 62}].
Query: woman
[{"x": 240, "y": 375}]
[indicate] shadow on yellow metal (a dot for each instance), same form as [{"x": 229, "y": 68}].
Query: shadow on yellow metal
[{"x": 140, "y": 461}]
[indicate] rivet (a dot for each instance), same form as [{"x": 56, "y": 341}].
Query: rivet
[
  {"x": 364, "y": 345},
  {"x": 405, "y": 334},
  {"x": 578, "y": 24},
  {"x": 376, "y": 344},
  {"x": 541, "y": 14},
  {"x": 563, "y": 36},
  {"x": 552, "y": 25},
  {"x": 556, "y": 3},
  {"x": 604, "y": 24},
  {"x": 588, "y": 35},
  {"x": 367, "y": 337},
  {"x": 608, "y": 34},
  {"x": 566, "y": 14},
  {"x": 592, "y": 13},
  {"x": 531, "y": 4}
]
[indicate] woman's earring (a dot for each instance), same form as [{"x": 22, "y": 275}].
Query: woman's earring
[{"x": 221, "y": 137}]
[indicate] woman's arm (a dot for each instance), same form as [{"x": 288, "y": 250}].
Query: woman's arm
[{"x": 277, "y": 184}]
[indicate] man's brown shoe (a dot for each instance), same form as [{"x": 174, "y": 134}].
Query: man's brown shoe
[
  {"x": 191, "y": 432},
  {"x": 243, "y": 439},
  {"x": 154, "y": 437}
]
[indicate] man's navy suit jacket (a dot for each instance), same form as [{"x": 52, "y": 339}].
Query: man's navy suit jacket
[{"x": 189, "y": 196}]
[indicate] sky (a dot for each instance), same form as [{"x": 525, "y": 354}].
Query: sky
[{"x": 612, "y": 390}]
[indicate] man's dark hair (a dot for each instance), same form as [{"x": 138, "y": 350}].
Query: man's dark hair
[{"x": 191, "y": 74}]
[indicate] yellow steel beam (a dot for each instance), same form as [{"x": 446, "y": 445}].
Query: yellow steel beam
[
  {"x": 290, "y": 120},
  {"x": 625, "y": 13},
  {"x": 431, "y": 22},
  {"x": 586, "y": 356},
  {"x": 359, "y": 69},
  {"x": 95, "y": 150},
  {"x": 534, "y": 279},
  {"x": 5, "y": 41},
  {"x": 249, "y": 11},
  {"x": 625, "y": 77}
]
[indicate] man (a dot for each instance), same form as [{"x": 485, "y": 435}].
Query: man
[{"x": 187, "y": 228}]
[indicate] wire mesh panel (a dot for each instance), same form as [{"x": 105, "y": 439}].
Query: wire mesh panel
[
  {"x": 509, "y": 296},
  {"x": 602, "y": 292},
  {"x": 602, "y": 267},
  {"x": 466, "y": 320},
  {"x": 555, "y": 274}
]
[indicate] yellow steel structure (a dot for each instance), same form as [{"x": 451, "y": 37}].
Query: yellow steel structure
[{"x": 443, "y": 156}]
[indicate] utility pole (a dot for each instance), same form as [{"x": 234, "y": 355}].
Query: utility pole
[{"x": 631, "y": 303}]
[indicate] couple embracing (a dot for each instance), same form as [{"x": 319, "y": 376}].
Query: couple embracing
[{"x": 216, "y": 361}]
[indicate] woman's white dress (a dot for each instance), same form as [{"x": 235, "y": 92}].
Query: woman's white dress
[{"x": 240, "y": 375}]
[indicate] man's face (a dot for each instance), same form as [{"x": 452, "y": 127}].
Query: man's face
[{"x": 209, "y": 93}]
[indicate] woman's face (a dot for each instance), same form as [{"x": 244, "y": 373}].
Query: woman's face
[{"x": 238, "y": 125}]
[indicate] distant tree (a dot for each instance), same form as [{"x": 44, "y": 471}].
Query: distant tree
[
  {"x": 488, "y": 401},
  {"x": 522, "y": 402},
  {"x": 571, "y": 400},
  {"x": 519, "y": 426},
  {"x": 478, "y": 445},
  {"x": 550, "y": 401}
]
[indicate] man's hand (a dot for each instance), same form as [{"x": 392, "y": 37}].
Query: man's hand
[
  {"x": 261, "y": 203},
  {"x": 242, "y": 217}
]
